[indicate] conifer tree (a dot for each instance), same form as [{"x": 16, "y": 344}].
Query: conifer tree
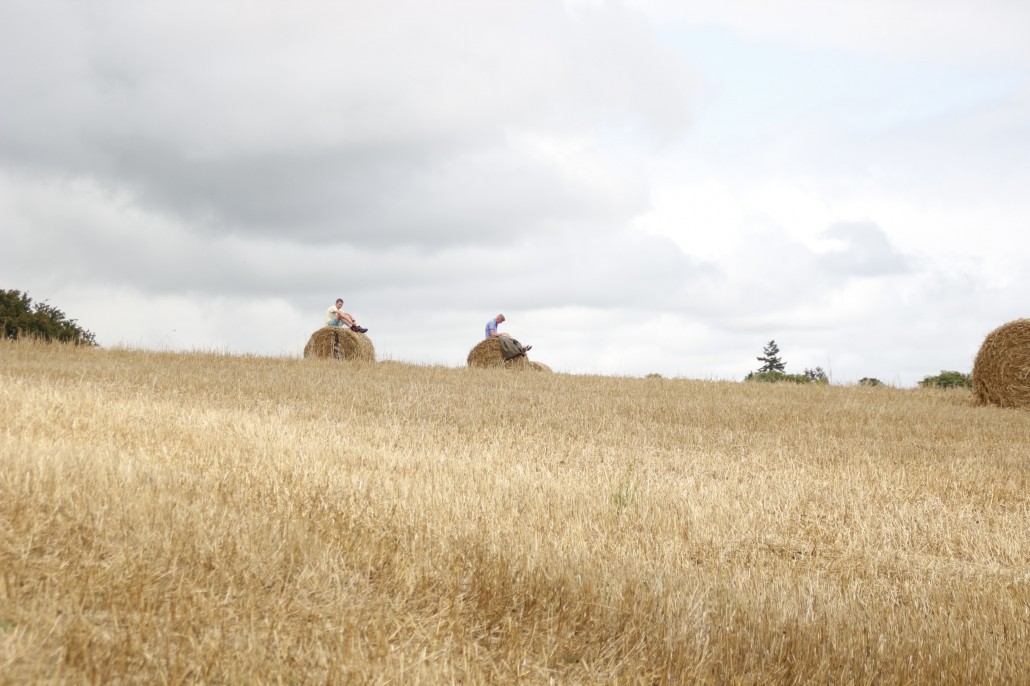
[{"x": 770, "y": 359}]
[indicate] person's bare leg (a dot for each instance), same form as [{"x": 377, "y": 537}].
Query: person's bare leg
[{"x": 352, "y": 324}]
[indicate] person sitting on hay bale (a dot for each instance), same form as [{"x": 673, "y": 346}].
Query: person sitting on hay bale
[
  {"x": 335, "y": 316},
  {"x": 509, "y": 346}
]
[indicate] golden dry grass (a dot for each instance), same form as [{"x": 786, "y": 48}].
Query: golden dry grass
[{"x": 202, "y": 518}]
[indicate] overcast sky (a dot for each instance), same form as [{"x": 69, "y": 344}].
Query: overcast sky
[{"x": 639, "y": 186}]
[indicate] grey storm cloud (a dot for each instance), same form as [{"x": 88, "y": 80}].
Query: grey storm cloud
[
  {"x": 364, "y": 195},
  {"x": 333, "y": 123},
  {"x": 114, "y": 241}
]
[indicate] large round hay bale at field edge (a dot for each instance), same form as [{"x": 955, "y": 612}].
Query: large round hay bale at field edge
[
  {"x": 339, "y": 343},
  {"x": 487, "y": 353},
  {"x": 539, "y": 367},
  {"x": 1001, "y": 371}
]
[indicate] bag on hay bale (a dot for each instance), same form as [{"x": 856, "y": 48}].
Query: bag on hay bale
[
  {"x": 340, "y": 343},
  {"x": 487, "y": 353},
  {"x": 1001, "y": 371}
]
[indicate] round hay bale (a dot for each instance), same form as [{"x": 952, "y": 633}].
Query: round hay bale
[
  {"x": 1001, "y": 371},
  {"x": 539, "y": 367},
  {"x": 340, "y": 343},
  {"x": 487, "y": 353}
]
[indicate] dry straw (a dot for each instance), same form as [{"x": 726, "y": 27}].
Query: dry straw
[
  {"x": 539, "y": 367},
  {"x": 1001, "y": 371},
  {"x": 340, "y": 343},
  {"x": 564, "y": 529},
  {"x": 487, "y": 353}
]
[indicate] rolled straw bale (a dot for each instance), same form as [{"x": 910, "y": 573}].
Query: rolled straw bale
[
  {"x": 539, "y": 367},
  {"x": 340, "y": 343},
  {"x": 1001, "y": 370},
  {"x": 487, "y": 353}
]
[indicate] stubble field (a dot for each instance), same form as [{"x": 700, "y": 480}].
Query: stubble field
[{"x": 205, "y": 518}]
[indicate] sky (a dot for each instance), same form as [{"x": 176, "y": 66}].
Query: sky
[{"x": 639, "y": 186}]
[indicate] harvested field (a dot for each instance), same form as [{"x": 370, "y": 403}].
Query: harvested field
[{"x": 203, "y": 518}]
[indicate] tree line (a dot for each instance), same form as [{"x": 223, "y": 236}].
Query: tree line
[
  {"x": 774, "y": 369},
  {"x": 22, "y": 318}
]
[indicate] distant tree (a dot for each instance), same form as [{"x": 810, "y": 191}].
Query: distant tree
[
  {"x": 770, "y": 359},
  {"x": 869, "y": 381},
  {"x": 817, "y": 375},
  {"x": 19, "y": 316},
  {"x": 948, "y": 379}
]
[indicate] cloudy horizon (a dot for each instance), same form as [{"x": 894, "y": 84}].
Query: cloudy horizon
[{"x": 640, "y": 186}]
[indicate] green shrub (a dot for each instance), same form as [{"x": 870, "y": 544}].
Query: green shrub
[
  {"x": 869, "y": 381},
  {"x": 817, "y": 375},
  {"x": 950, "y": 379},
  {"x": 19, "y": 317},
  {"x": 775, "y": 377}
]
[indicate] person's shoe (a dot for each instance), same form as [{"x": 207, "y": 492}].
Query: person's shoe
[{"x": 359, "y": 329}]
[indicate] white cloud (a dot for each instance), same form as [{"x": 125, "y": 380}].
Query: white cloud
[
  {"x": 991, "y": 31},
  {"x": 862, "y": 250}
]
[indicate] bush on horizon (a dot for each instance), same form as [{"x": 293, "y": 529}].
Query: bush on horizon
[{"x": 947, "y": 379}]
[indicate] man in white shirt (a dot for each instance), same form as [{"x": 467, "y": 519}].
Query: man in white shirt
[{"x": 335, "y": 316}]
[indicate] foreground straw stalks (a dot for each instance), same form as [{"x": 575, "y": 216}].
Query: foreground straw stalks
[{"x": 205, "y": 518}]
